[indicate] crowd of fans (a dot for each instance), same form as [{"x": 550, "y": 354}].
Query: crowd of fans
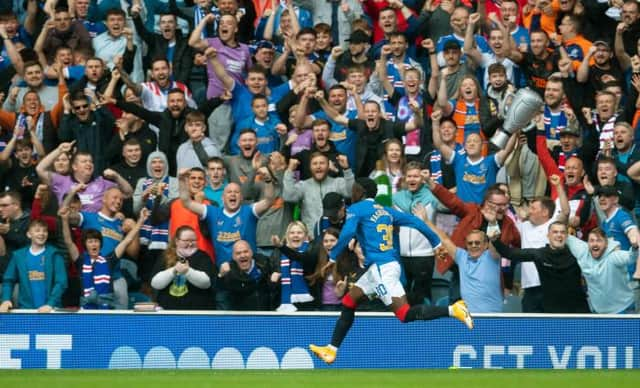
[{"x": 201, "y": 154}]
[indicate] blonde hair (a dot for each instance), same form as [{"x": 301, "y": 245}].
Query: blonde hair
[
  {"x": 387, "y": 144},
  {"x": 294, "y": 224},
  {"x": 475, "y": 81}
]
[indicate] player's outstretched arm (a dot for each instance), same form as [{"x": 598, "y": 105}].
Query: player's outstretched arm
[
  {"x": 347, "y": 233},
  {"x": 515, "y": 254},
  {"x": 447, "y": 244},
  {"x": 404, "y": 219}
]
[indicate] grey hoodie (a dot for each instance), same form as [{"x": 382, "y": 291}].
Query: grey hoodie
[
  {"x": 173, "y": 182},
  {"x": 310, "y": 192}
]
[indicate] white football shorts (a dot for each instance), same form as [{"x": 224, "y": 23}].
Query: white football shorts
[{"x": 382, "y": 282}]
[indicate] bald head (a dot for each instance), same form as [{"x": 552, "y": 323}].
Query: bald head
[
  {"x": 232, "y": 186},
  {"x": 573, "y": 171},
  {"x": 232, "y": 197},
  {"x": 115, "y": 190},
  {"x": 242, "y": 255},
  {"x": 241, "y": 245},
  {"x": 112, "y": 201}
]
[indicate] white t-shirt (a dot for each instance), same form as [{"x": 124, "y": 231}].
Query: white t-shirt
[
  {"x": 532, "y": 236},
  {"x": 155, "y": 99},
  {"x": 490, "y": 58}
]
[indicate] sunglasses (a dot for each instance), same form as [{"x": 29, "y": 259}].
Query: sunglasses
[
  {"x": 81, "y": 107},
  {"x": 474, "y": 243}
]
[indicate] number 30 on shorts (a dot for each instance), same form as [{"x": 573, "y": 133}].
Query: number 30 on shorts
[{"x": 381, "y": 290}]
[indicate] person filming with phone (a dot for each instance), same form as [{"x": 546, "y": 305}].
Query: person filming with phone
[{"x": 182, "y": 278}]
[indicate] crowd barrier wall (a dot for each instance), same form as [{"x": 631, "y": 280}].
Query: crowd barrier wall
[{"x": 119, "y": 340}]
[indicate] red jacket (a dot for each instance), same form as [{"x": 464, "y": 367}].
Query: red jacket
[
  {"x": 470, "y": 218},
  {"x": 574, "y": 193},
  {"x": 373, "y": 8}
]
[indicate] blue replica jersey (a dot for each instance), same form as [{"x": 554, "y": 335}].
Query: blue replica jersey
[
  {"x": 75, "y": 73},
  {"x": 481, "y": 44},
  {"x": 226, "y": 229},
  {"x": 342, "y": 137},
  {"x": 473, "y": 179},
  {"x": 617, "y": 226},
  {"x": 35, "y": 266},
  {"x": 111, "y": 229},
  {"x": 268, "y": 137},
  {"x": 372, "y": 225},
  {"x": 521, "y": 36},
  {"x": 242, "y": 97}
]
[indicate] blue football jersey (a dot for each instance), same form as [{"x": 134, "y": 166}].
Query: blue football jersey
[
  {"x": 111, "y": 229},
  {"x": 225, "y": 229},
  {"x": 342, "y": 137},
  {"x": 617, "y": 227},
  {"x": 373, "y": 225},
  {"x": 473, "y": 178}
]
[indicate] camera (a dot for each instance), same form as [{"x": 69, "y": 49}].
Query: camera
[{"x": 183, "y": 260}]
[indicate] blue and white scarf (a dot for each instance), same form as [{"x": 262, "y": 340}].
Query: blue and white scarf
[
  {"x": 294, "y": 288},
  {"x": 553, "y": 133},
  {"x": 155, "y": 236},
  {"x": 96, "y": 283}
]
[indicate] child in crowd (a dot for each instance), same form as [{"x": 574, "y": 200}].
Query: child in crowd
[
  {"x": 268, "y": 128},
  {"x": 97, "y": 289},
  {"x": 39, "y": 272},
  {"x": 196, "y": 151}
]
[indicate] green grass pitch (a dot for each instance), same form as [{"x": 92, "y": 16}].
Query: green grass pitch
[{"x": 322, "y": 378}]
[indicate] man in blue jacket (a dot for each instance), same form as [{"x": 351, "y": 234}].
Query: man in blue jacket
[
  {"x": 39, "y": 271},
  {"x": 372, "y": 225}
]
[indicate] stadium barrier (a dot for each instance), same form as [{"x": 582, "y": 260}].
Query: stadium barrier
[{"x": 216, "y": 340}]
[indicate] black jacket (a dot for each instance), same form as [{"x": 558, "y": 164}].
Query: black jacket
[
  {"x": 182, "y": 54},
  {"x": 131, "y": 175},
  {"x": 366, "y": 162},
  {"x": 630, "y": 38},
  {"x": 560, "y": 276},
  {"x": 305, "y": 160},
  {"x": 148, "y": 143},
  {"x": 92, "y": 136},
  {"x": 248, "y": 293},
  {"x": 172, "y": 132},
  {"x": 195, "y": 298}
]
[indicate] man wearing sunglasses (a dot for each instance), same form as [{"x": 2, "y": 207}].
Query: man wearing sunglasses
[
  {"x": 479, "y": 268},
  {"x": 90, "y": 127},
  {"x": 473, "y": 216}
]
